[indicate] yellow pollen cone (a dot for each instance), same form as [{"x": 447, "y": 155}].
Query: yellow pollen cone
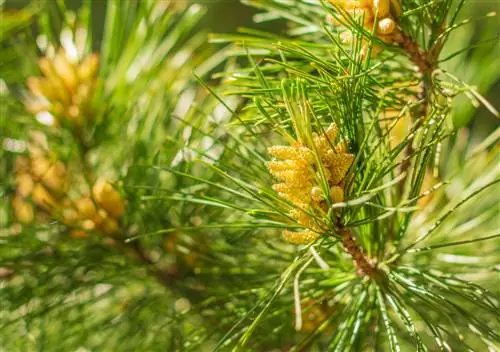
[{"x": 108, "y": 198}]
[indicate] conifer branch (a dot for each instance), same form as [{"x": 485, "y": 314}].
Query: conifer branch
[
  {"x": 426, "y": 65},
  {"x": 165, "y": 277},
  {"x": 78, "y": 250},
  {"x": 361, "y": 262}
]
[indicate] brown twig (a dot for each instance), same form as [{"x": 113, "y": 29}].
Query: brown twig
[
  {"x": 363, "y": 265},
  {"x": 425, "y": 65},
  {"x": 165, "y": 277},
  {"x": 415, "y": 53}
]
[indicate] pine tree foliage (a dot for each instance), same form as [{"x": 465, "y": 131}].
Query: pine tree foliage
[
  {"x": 69, "y": 284},
  {"x": 304, "y": 191}
]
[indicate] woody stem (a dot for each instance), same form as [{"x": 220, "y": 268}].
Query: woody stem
[
  {"x": 166, "y": 278},
  {"x": 360, "y": 261},
  {"x": 425, "y": 66}
]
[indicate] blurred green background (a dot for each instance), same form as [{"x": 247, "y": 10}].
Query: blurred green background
[{"x": 226, "y": 16}]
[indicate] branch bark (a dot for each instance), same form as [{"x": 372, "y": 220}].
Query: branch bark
[
  {"x": 425, "y": 65},
  {"x": 360, "y": 260},
  {"x": 363, "y": 265},
  {"x": 166, "y": 278}
]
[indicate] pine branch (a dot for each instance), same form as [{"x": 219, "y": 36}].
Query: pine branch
[
  {"x": 167, "y": 278},
  {"x": 204, "y": 247},
  {"x": 426, "y": 62},
  {"x": 363, "y": 265}
]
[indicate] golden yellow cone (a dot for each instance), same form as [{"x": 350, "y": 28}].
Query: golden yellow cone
[
  {"x": 23, "y": 211},
  {"x": 65, "y": 89},
  {"x": 316, "y": 194},
  {"x": 386, "y": 26},
  {"x": 24, "y": 184},
  {"x": 69, "y": 216},
  {"x": 380, "y": 14},
  {"x": 88, "y": 68},
  {"x": 300, "y": 237},
  {"x": 295, "y": 169},
  {"x": 381, "y": 8},
  {"x": 337, "y": 194},
  {"x": 39, "y": 166},
  {"x": 54, "y": 178},
  {"x": 65, "y": 71},
  {"x": 43, "y": 198},
  {"x": 109, "y": 226},
  {"x": 99, "y": 217},
  {"x": 108, "y": 198},
  {"x": 396, "y": 6},
  {"x": 86, "y": 208},
  {"x": 54, "y": 81},
  {"x": 88, "y": 225}
]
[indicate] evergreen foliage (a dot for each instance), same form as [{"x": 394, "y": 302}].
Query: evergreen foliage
[{"x": 320, "y": 189}]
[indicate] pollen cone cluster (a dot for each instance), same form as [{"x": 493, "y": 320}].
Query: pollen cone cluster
[
  {"x": 374, "y": 14},
  {"x": 99, "y": 213},
  {"x": 64, "y": 93},
  {"x": 41, "y": 182},
  {"x": 298, "y": 169},
  {"x": 42, "y": 191}
]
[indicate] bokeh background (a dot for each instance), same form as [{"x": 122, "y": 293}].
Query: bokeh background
[{"x": 226, "y": 16}]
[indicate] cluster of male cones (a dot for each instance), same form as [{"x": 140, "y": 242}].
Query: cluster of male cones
[
  {"x": 45, "y": 189},
  {"x": 377, "y": 16},
  {"x": 299, "y": 169},
  {"x": 65, "y": 91}
]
